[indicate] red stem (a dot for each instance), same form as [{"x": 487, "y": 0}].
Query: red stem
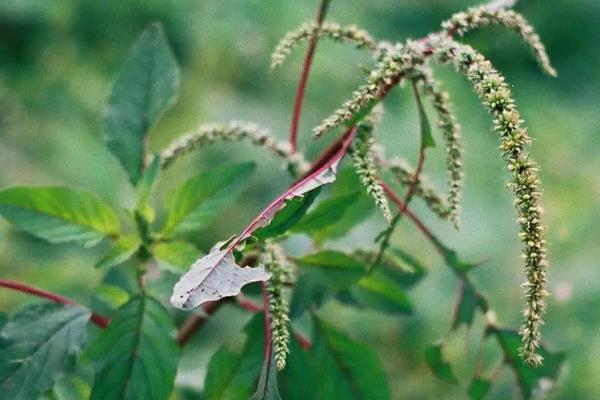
[
  {"x": 306, "y": 67},
  {"x": 99, "y": 320},
  {"x": 416, "y": 221}
]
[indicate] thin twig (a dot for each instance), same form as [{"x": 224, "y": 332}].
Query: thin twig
[
  {"x": 412, "y": 188},
  {"x": 301, "y": 89},
  {"x": 413, "y": 217},
  {"x": 99, "y": 320}
]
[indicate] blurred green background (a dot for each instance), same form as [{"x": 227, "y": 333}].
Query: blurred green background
[{"x": 57, "y": 61}]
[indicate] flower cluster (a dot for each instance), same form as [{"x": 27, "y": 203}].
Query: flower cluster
[
  {"x": 332, "y": 30},
  {"x": 398, "y": 62},
  {"x": 233, "y": 131},
  {"x": 450, "y": 128},
  {"x": 364, "y": 164},
  {"x": 476, "y": 17},
  {"x": 277, "y": 265},
  {"x": 496, "y": 95}
]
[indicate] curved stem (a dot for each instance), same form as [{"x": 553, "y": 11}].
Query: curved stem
[
  {"x": 306, "y": 67},
  {"x": 99, "y": 320}
]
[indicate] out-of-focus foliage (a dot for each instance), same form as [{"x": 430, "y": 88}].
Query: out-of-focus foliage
[{"x": 57, "y": 62}]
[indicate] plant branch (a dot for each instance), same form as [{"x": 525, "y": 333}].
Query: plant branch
[
  {"x": 306, "y": 67},
  {"x": 413, "y": 217},
  {"x": 412, "y": 188},
  {"x": 99, "y": 320}
]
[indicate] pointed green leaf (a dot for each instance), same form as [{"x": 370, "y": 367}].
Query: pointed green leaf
[
  {"x": 198, "y": 201},
  {"x": 232, "y": 374},
  {"x": 175, "y": 256},
  {"x": 71, "y": 388},
  {"x": 438, "y": 364},
  {"x": 267, "y": 383},
  {"x": 137, "y": 356},
  {"x": 146, "y": 86},
  {"x": 354, "y": 213},
  {"x": 469, "y": 300},
  {"x": 528, "y": 377},
  {"x": 299, "y": 380},
  {"x": 334, "y": 269},
  {"x": 58, "y": 214},
  {"x": 293, "y": 211},
  {"x": 120, "y": 252},
  {"x": 106, "y": 299},
  {"x": 39, "y": 345},
  {"x": 378, "y": 292},
  {"x": 479, "y": 388},
  {"x": 325, "y": 214},
  {"x": 352, "y": 368},
  {"x": 397, "y": 265},
  {"x": 309, "y": 293},
  {"x": 426, "y": 135}
]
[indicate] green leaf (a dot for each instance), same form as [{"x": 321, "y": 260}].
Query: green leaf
[
  {"x": 146, "y": 86},
  {"x": 469, "y": 300},
  {"x": 528, "y": 377},
  {"x": 198, "y": 201},
  {"x": 39, "y": 345},
  {"x": 298, "y": 381},
  {"x": 426, "y": 136},
  {"x": 120, "y": 252},
  {"x": 457, "y": 264},
  {"x": 397, "y": 265},
  {"x": 231, "y": 374},
  {"x": 137, "y": 356},
  {"x": 175, "y": 256},
  {"x": 360, "y": 209},
  {"x": 378, "y": 292},
  {"x": 334, "y": 269},
  {"x": 58, "y": 214},
  {"x": 144, "y": 189},
  {"x": 106, "y": 299},
  {"x": 351, "y": 368},
  {"x": 267, "y": 383},
  {"x": 308, "y": 293},
  {"x": 325, "y": 214},
  {"x": 71, "y": 388},
  {"x": 438, "y": 365},
  {"x": 479, "y": 388},
  {"x": 293, "y": 211}
]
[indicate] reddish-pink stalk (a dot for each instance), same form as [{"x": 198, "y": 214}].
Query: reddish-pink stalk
[
  {"x": 416, "y": 221},
  {"x": 276, "y": 204},
  {"x": 248, "y": 305},
  {"x": 99, "y": 320},
  {"x": 306, "y": 67}
]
